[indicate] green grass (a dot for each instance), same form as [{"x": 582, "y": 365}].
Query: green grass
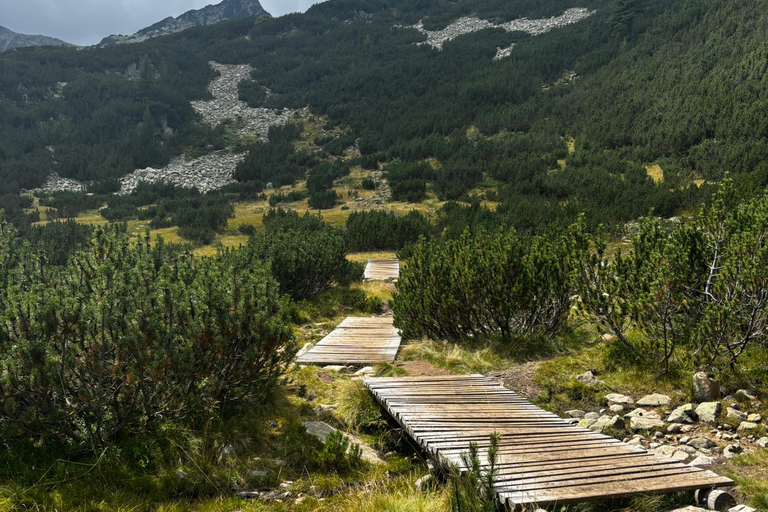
[{"x": 750, "y": 472}]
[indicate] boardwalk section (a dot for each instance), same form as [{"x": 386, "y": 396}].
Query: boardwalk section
[
  {"x": 382, "y": 270},
  {"x": 542, "y": 459},
  {"x": 357, "y": 341}
]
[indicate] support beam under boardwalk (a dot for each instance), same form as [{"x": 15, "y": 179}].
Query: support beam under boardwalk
[
  {"x": 542, "y": 459},
  {"x": 382, "y": 270},
  {"x": 357, "y": 341}
]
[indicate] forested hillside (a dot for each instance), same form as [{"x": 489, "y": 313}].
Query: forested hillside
[
  {"x": 677, "y": 84},
  {"x": 575, "y": 188}
]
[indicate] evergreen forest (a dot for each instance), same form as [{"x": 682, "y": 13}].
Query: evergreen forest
[{"x": 587, "y": 200}]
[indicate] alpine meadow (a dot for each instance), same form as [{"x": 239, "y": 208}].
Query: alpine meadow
[{"x": 389, "y": 255}]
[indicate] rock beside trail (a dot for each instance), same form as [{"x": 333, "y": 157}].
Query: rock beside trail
[
  {"x": 608, "y": 422},
  {"x": 322, "y": 430},
  {"x": 589, "y": 379},
  {"x": 708, "y": 412},
  {"x": 616, "y": 398},
  {"x": 746, "y": 426},
  {"x": 735, "y": 414},
  {"x": 701, "y": 443},
  {"x": 705, "y": 389},
  {"x": 643, "y": 413},
  {"x": 654, "y": 400},
  {"x": 762, "y": 442},
  {"x": 640, "y": 423},
  {"x": 703, "y": 460},
  {"x": 683, "y": 414},
  {"x": 575, "y": 413}
]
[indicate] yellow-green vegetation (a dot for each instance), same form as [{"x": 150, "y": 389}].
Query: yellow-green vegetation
[
  {"x": 750, "y": 472},
  {"x": 655, "y": 172}
]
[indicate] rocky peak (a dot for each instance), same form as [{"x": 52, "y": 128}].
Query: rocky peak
[
  {"x": 226, "y": 10},
  {"x": 10, "y": 40}
]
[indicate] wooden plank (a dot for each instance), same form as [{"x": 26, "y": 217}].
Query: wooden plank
[
  {"x": 356, "y": 340},
  {"x": 542, "y": 460},
  {"x": 382, "y": 270}
]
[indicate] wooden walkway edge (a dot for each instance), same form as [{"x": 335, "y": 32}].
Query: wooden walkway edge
[
  {"x": 382, "y": 270},
  {"x": 357, "y": 341},
  {"x": 542, "y": 459}
]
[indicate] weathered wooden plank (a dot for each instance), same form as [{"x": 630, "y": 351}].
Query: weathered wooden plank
[
  {"x": 542, "y": 460},
  {"x": 357, "y": 341},
  {"x": 382, "y": 270}
]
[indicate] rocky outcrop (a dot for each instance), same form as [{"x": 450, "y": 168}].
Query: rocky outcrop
[
  {"x": 467, "y": 25},
  {"x": 226, "y": 103},
  {"x": 56, "y": 183},
  {"x": 208, "y": 173},
  {"x": 10, "y": 40},
  {"x": 226, "y": 10}
]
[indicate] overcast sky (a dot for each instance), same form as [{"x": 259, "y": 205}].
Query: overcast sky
[{"x": 87, "y": 22}]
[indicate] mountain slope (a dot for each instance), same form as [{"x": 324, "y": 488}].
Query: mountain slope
[
  {"x": 209, "y": 15},
  {"x": 10, "y": 40}
]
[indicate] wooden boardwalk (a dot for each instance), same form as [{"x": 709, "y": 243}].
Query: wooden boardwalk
[
  {"x": 542, "y": 459},
  {"x": 382, "y": 270},
  {"x": 357, "y": 341}
]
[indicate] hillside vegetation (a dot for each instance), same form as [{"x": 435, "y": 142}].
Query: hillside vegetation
[{"x": 583, "y": 200}]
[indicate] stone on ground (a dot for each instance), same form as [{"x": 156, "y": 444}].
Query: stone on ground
[
  {"x": 607, "y": 422},
  {"x": 322, "y": 430},
  {"x": 709, "y": 411},
  {"x": 575, "y": 413},
  {"x": 683, "y": 414},
  {"x": 755, "y": 418},
  {"x": 654, "y": 400},
  {"x": 701, "y": 443},
  {"x": 306, "y": 348},
  {"x": 636, "y": 424},
  {"x": 702, "y": 460},
  {"x": 643, "y": 413},
  {"x": 747, "y": 426},
  {"x": 589, "y": 379},
  {"x": 735, "y": 414},
  {"x": 762, "y": 442},
  {"x": 616, "y": 398},
  {"x": 705, "y": 389}
]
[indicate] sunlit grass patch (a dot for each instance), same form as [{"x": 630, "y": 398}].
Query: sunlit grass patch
[
  {"x": 454, "y": 357},
  {"x": 655, "y": 172},
  {"x": 750, "y": 472},
  {"x": 378, "y": 289}
]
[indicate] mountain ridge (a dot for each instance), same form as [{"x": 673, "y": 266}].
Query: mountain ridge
[
  {"x": 208, "y": 15},
  {"x": 10, "y": 40}
]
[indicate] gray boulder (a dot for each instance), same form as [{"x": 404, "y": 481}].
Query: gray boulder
[
  {"x": 735, "y": 414},
  {"x": 762, "y": 442},
  {"x": 616, "y": 398},
  {"x": 683, "y": 414},
  {"x": 709, "y": 411},
  {"x": 731, "y": 451},
  {"x": 591, "y": 416},
  {"x": 654, "y": 400},
  {"x": 643, "y": 413},
  {"x": 705, "y": 389},
  {"x": 747, "y": 426},
  {"x": 575, "y": 413},
  {"x": 701, "y": 443},
  {"x": 607, "y": 422},
  {"x": 755, "y": 418},
  {"x": 589, "y": 379},
  {"x": 639, "y": 423},
  {"x": 703, "y": 460}
]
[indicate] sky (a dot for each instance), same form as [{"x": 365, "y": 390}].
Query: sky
[{"x": 86, "y": 22}]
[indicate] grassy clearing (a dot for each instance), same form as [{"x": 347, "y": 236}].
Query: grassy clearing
[
  {"x": 363, "y": 257},
  {"x": 750, "y": 472}
]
